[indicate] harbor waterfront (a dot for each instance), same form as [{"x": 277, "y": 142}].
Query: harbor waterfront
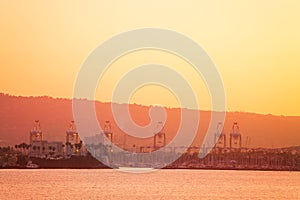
[
  {"x": 284, "y": 159},
  {"x": 95, "y": 153},
  {"x": 150, "y": 100},
  {"x": 161, "y": 184}
]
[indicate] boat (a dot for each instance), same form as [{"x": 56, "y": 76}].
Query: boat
[
  {"x": 136, "y": 169},
  {"x": 31, "y": 165}
]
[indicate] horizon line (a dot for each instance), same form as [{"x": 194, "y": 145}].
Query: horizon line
[{"x": 99, "y": 101}]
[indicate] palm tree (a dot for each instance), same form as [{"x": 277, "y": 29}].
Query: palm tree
[
  {"x": 63, "y": 147},
  {"x": 34, "y": 149},
  {"x": 23, "y": 145},
  {"x": 80, "y": 145},
  {"x": 38, "y": 148}
]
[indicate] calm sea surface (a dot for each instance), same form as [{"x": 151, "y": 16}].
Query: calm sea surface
[{"x": 163, "y": 184}]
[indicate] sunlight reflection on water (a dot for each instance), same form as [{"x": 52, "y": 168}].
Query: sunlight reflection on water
[{"x": 163, "y": 184}]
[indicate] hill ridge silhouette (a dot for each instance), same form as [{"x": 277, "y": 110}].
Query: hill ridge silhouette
[{"x": 17, "y": 114}]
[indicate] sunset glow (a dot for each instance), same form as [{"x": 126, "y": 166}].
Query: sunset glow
[
  {"x": 132, "y": 99},
  {"x": 255, "y": 46}
]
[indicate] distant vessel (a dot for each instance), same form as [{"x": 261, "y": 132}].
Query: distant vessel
[
  {"x": 136, "y": 169},
  {"x": 31, "y": 165}
]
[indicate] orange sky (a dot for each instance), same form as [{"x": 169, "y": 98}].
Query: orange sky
[{"x": 255, "y": 46}]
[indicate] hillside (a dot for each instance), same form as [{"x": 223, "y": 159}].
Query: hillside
[{"x": 17, "y": 115}]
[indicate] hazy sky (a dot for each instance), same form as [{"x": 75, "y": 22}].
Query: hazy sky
[{"x": 254, "y": 44}]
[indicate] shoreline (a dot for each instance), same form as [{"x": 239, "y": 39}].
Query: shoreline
[{"x": 166, "y": 168}]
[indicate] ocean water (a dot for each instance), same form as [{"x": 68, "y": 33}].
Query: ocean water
[{"x": 162, "y": 184}]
